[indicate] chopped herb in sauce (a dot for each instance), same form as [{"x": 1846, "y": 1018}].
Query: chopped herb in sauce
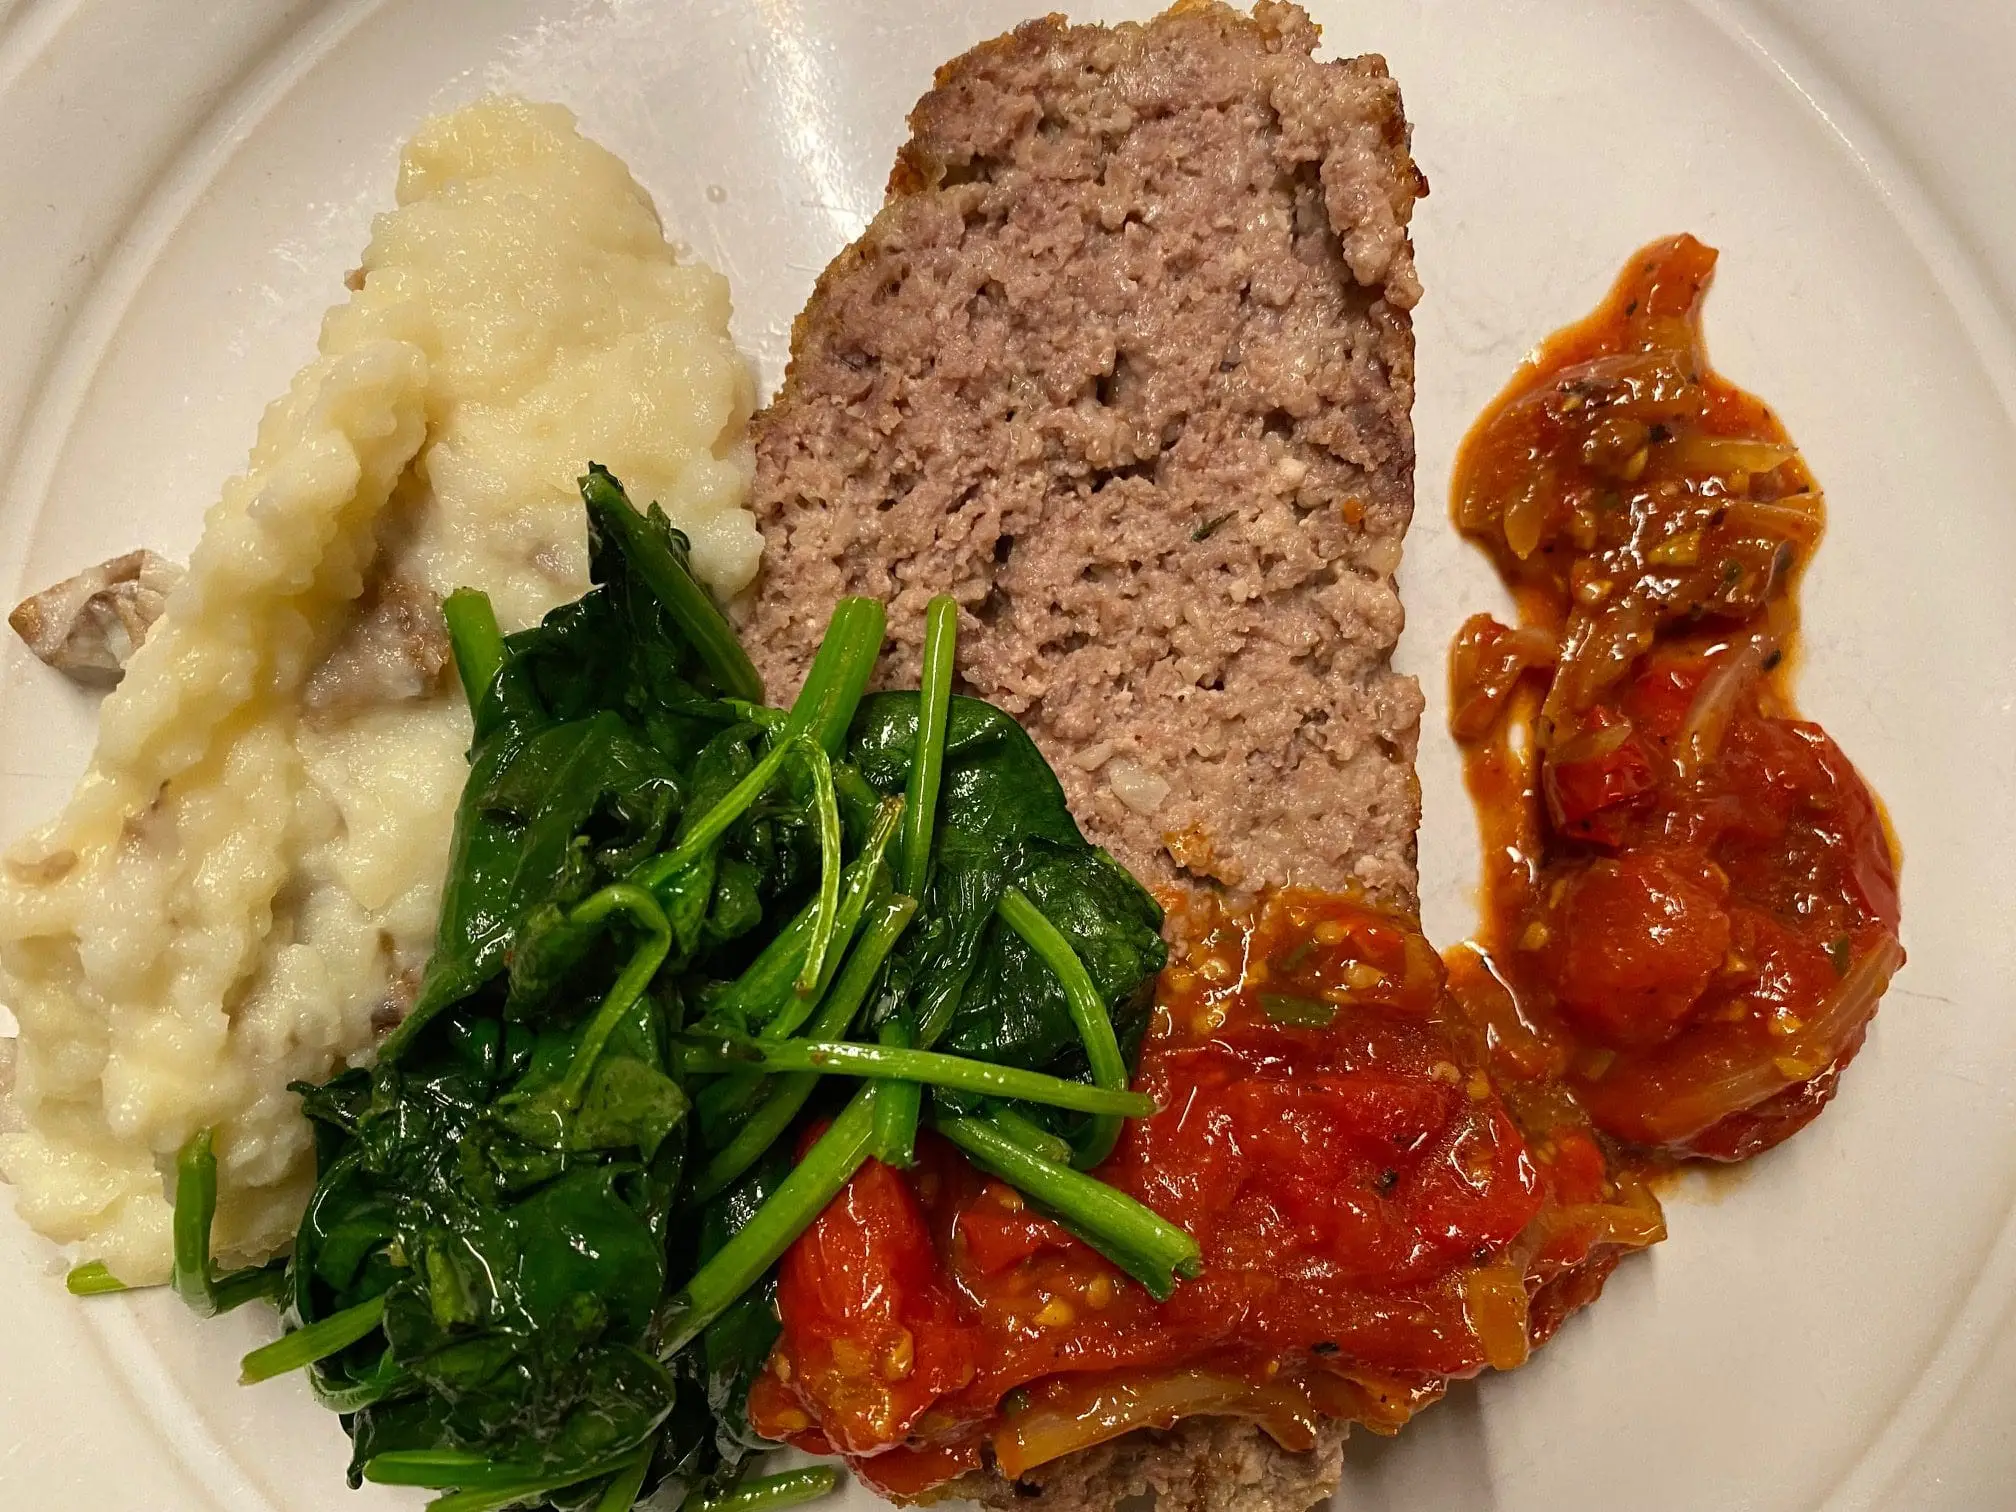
[{"x": 1298, "y": 1011}]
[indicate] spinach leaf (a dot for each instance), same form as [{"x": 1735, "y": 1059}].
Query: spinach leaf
[
  {"x": 501, "y": 1186},
  {"x": 1015, "y": 1010},
  {"x": 964, "y": 982}
]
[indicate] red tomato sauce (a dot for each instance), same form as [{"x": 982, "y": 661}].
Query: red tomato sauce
[
  {"x": 1375, "y": 1219},
  {"x": 1691, "y": 897}
]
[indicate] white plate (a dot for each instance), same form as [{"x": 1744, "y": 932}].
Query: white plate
[{"x": 182, "y": 187}]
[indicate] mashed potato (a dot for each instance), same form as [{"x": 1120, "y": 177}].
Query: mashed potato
[{"x": 243, "y": 890}]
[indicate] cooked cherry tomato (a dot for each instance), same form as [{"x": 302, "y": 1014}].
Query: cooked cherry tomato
[
  {"x": 1642, "y": 935},
  {"x": 872, "y": 1333}
]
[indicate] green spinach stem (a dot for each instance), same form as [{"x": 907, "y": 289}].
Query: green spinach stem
[
  {"x": 713, "y": 824},
  {"x": 194, "y": 1278},
  {"x": 839, "y": 674},
  {"x": 93, "y": 1279},
  {"x": 387, "y": 1376},
  {"x": 1088, "y": 1012},
  {"x": 927, "y": 760},
  {"x": 486, "y": 1491},
  {"x": 765, "y": 986},
  {"x": 770, "y": 1493},
  {"x": 195, "y": 1208},
  {"x": 864, "y": 884},
  {"x": 827, "y": 804},
  {"x": 764, "y": 996},
  {"x": 494, "y": 1499},
  {"x": 1032, "y": 1136},
  {"x": 673, "y": 586},
  {"x": 1139, "y": 1240},
  {"x": 627, "y": 1484},
  {"x": 630, "y": 983},
  {"x": 836, "y": 1015},
  {"x": 898, "y": 1106},
  {"x": 316, "y": 1341},
  {"x": 799, "y": 1199},
  {"x": 718, "y": 1053},
  {"x": 444, "y": 1469},
  {"x": 256, "y": 1284},
  {"x": 476, "y": 641}
]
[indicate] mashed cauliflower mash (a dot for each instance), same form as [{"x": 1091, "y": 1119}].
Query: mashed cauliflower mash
[{"x": 244, "y": 887}]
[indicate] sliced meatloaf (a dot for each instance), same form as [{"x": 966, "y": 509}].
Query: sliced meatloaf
[{"x": 1125, "y": 363}]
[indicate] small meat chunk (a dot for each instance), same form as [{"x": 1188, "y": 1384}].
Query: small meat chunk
[
  {"x": 395, "y": 647},
  {"x": 88, "y": 627}
]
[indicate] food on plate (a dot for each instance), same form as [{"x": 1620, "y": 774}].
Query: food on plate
[
  {"x": 954, "y": 999},
  {"x": 548, "y": 1214},
  {"x": 1373, "y": 1218},
  {"x": 87, "y": 627},
  {"x": 244, "y": 890},
  {"x": 535, "y": 1260},
  {"x": 1691, "y": 895},
  {"x": 1125, "y": 364}
]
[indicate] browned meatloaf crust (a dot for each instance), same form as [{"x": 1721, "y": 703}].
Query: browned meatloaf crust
[{"x": 1126, "y": 364}]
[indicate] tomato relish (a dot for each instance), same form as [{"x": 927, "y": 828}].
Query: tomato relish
[
  {"x": 1400, "y": 1173},
  {"x": 1375, "y": 1217},
  {"x": 1691, "y": 897}
]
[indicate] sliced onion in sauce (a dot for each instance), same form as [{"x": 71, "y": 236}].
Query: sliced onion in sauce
[
  {"x": 1524, "y": 525},
  {"x": 1690, "y": 1110},
  {"x": 1353, "y": 1396},
  {"x": 1498, "y": 1306},
  {"x": 1597, "y": 651},
  {"x": 1649, "y": 386},
  {"x": 1590, "y": 744},
  {"x": 1486, "y": 666},
  {"x": 1715, "y": 703},
  {"x": 1694, "y": 452},
  {"x": 1046, "y": 1431},
  {"x": 1489, "y": 1006},
  {"x": 1633, "y": 1226},
  {"x": 1777, "y": 520},
  {"x": 1478, "y": 509}
]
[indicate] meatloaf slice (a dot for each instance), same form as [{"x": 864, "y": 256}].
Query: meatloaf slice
[{"x": 1125, "y": 363}]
